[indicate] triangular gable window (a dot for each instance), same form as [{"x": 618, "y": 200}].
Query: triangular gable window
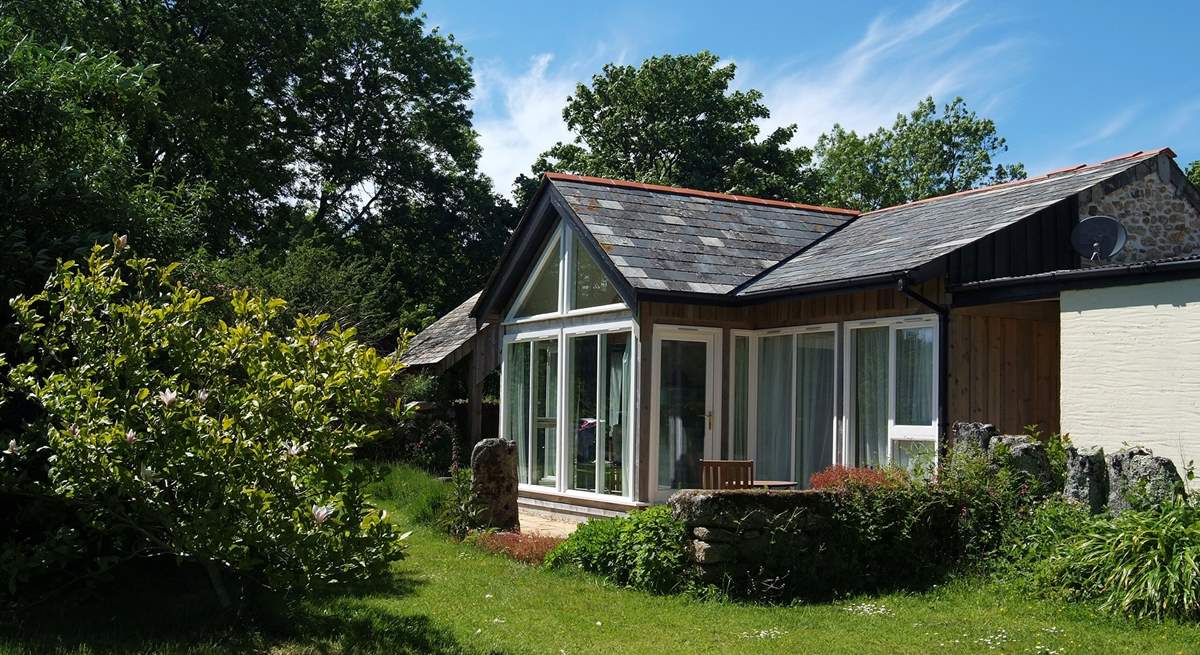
[
  {"x": 541, "y": 297},
  {"x": 591, "y": 287},
  {"x": 585, "y": 287}
]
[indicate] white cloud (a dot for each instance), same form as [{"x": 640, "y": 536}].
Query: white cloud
[
  {"x": 520, "y": 116},
  {"x": 1109, "y": 128},
  {"x": 941, "y": 51}
]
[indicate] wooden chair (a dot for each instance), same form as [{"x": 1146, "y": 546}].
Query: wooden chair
[{"x": 726, "y": 473}]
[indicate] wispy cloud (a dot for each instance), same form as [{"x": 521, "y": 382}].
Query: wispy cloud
[
  {"x": 941, "y": 51},
  {"x": 945, "y": 49},
  {"x": 1108, "y": 128}
]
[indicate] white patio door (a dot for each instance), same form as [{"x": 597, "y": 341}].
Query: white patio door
[{"x": 684, "y": 407}]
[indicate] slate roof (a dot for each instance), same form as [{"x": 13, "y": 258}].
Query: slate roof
[
  {"x": 442, "y": 338},
  {"x": 902, "y": 238},
  {"x": 681, "y": 240}
]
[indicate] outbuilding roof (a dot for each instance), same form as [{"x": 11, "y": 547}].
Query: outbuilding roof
[{"x": 442, "y": 344}]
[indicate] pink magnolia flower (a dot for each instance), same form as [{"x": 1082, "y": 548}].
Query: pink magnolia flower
[
  {"x": 321, "y": 513},
  {"x": 130, "y": 437},
  {"x": 293, "y": 449},
  {"x": 168, "y": 397},
  {"x": 12, "y": 447},
  {"x": 202, "y": 396}
]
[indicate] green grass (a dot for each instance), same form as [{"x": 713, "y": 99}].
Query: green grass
[{"x": 452, "y": 598}]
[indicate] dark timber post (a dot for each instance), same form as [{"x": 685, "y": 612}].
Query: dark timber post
[{"x": 475, "y": 389}]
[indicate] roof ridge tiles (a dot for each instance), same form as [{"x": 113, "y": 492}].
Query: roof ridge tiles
[
  {"x": 1077, "y": 168},
  {"x": 712, "y": 195}
]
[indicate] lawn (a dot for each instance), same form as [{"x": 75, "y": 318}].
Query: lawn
[{"x": 452, "y": 598}]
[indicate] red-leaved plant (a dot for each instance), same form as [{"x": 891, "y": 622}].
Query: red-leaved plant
[
  {"x": 840, "y": 478},
  {"x": 527, "y": 547}
]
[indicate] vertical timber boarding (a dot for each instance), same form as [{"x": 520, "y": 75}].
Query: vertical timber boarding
[{"x": 1004, "y": 365}]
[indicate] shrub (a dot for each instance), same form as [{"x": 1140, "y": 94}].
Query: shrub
[
  {"x": 1033, "y": 544},
  {"x": 1144, "y": 564},
  {"x": 461, "y": 511},
  {"x": 526, "y": 547},
  {"x": 165, "y": 431},
  {"x": 840, "y": 478},
  {"x": 643, "y": 550}
]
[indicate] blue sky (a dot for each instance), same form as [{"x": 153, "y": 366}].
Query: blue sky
[{"x": 1066, "y": 82}]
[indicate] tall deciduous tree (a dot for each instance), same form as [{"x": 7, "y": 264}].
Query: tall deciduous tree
[
  {"x": 923, "y": 154},
  {"x": 1193, "y": 172},
  {"x": 674, "y": 120},
  {"x": 344, "y": 117}
]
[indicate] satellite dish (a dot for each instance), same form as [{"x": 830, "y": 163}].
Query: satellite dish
[{"x": 1097, "y": 238}]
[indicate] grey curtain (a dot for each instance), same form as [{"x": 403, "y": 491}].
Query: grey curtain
[
  {"x": 870, "y": 396},
  {"x": 815, "y": 382},
  {"x": 773, "y": 440}
]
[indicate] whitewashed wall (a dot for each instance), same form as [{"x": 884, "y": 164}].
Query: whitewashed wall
[{"x": 1131, "y": 368}]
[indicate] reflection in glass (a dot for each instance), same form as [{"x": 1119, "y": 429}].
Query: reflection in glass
[
  {"x": 516, "y": 404},
  {"x": 914, "y": 376},
  {"x": 681, "y": 413},
  {"x": 545, "y": 411}
]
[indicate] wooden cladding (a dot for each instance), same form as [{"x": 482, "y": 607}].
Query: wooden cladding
[
  {"x": 1004, "y": 366},
  {"x": 871, "y": 303},
  {"x": 1037, "y": 244}
]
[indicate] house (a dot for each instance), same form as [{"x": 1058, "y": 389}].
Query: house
[{"x": 641, "y": 328}]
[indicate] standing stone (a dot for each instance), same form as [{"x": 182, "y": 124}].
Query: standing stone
[
  {"x": 1087, "y": 478},
  {"x": 1020, "y": 453},
  {"x": 974, "y": 435},
  {"x": 494, "y": 482},
  {"x": 1137, "y": 478}
]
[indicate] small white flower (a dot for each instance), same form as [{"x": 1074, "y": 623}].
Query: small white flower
[
  {"x": 487, "y": 595},
  {"x": 12, "y": 447},
  {"x": 293, "y": 449},
  {"x": 202, "y": 396},
  {"x": 130, "y": 437},
  {"x": 321, "y": 513},
  {"x": 168, "y": 397}
]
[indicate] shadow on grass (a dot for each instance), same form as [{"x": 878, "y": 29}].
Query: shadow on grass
[{"x": 155, "y": 608}]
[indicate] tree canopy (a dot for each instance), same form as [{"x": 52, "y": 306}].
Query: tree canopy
[
  {"x": 346, "y": 121},
  {"x": 1193, "y": 172},
  {"x": 922, "y": 155},
  {"x": 674, "y": 120}
]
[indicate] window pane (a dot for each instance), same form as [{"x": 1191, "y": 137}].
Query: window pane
[
  {"x": 815, "y": 360},
  {"x": 681, "y": 413},
  {"x": 545, "y": 411},
  {"x": 915, "y": 456},
  {"x": 592, "y": 288},
  {"x": 914, "y": 376},
  {"x": 543, "y": 295},
  {"x": 516, "y": 404},
  {"x": 870, "y": 386},
  {"x": 582, "y": 419},
  {"x": 615, "y": 403},
  {"x": 773, "y": 441},
  {"x": 741, "y": 397}
]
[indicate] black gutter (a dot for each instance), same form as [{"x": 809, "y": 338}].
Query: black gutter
[
  {"x": 904, "y": 286},
  {"x": 1048, "y": 285}
]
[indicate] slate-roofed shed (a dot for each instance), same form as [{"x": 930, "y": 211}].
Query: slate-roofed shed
[{"x": 446, "y": 341}]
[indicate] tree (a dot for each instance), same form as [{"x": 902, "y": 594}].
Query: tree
[
  {"x": 1193, "y": 172},
  {"x": 673, "y": 120},
  {"x": 68, "y": 121},
  {"x": 922, "y": 155},
  {"x": 349, "y": 116},
  {"x": 165, "y": 430}
]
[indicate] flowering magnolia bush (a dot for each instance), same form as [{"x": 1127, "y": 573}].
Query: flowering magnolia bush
[{"x": 174, "y": 425}]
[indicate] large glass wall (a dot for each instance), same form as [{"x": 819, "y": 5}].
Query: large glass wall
[
  {"x": 773, "y": 436},
  {"x": 870, "y": 402},
  {"x": 816, "y": 375}
]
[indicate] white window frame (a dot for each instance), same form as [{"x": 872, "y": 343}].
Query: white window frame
[
  {"x": 565, "y": 236},
  {"x": 752, "y": 386},
  {"x": 712, "y": 446},
  {"x": 560, "y": 334},
  {"x": 895, "y": 431}
]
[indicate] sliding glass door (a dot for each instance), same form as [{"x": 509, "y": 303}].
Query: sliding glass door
[{"x": 784, "y": 401}]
